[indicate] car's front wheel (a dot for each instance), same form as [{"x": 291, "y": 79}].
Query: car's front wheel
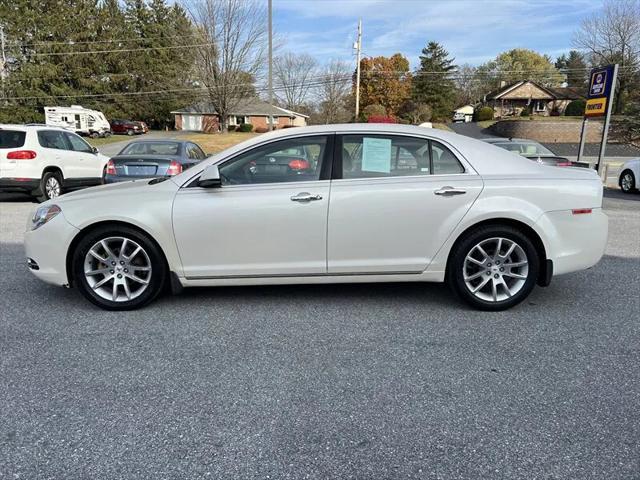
[
  {"x": 493, "y": 267},
  {"x": 118, "y": 268},
  {"x": 50, "y": 186},
  {"x": 627, "y": 181}
]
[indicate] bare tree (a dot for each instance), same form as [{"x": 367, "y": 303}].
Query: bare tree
[
  {"x": 231, "y": 50},
  {"x": 334, "y": 90},
  {"x": 294, "y": 77},
  {"x": 469, "y": 86},
  {"x": 613, "y": 36}
]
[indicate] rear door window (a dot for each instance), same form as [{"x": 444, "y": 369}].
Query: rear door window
[
  {"x": 53, "y": 139},
  {"x": 12, "y": 138}
]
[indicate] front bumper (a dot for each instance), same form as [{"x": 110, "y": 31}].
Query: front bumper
[
  {"x": 47, "y": 248},
  {"x": 574, "y": 241}
]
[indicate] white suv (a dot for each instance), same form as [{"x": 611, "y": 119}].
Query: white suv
[{"x": 43, "y": 161}]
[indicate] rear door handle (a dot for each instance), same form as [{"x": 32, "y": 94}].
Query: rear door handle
[
  {"x": 305, "y": 197},
  {"x": 448, "y": 191}
]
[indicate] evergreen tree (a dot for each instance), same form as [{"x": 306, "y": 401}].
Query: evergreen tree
[
  {"x": 574, "y": 67},
  {"x": 433, "y": 84}
]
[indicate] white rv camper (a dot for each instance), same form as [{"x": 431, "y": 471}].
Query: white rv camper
[{"x": 81, "y": 120}]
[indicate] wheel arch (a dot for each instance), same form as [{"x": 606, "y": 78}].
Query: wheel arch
[
  {"x": 622, "y": 173},
  {"x": 111, "y": 223},
  {"x": 546, "y": 267},
  {"x": 53, "y": 169}
]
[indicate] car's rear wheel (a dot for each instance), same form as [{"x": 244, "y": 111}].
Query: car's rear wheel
[
  {"x": 627, "y": 181},
  {"x": 50, "y": 186},
  {"x": 494, "y": 267},
  {"x": 118, "y": 268}
]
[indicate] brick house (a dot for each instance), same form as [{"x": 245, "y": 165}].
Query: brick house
[
  {"x": 510, "y": 100},
  {"x": 203, "y": 118}
]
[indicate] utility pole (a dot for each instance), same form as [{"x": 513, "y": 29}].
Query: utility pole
[
  {"x": 358, "y": 48},
  {"x": 270, "y": 66},
  {"x": 3, "y": 64}
]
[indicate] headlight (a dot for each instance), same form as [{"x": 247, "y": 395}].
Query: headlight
[{"x": 43, "y": 215}]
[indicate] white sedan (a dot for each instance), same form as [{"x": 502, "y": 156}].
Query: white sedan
[
  {"x": 629, "y": 176},
  {"x": 328, "y": 204}
]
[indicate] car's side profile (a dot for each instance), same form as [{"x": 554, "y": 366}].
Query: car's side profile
[
  {"x": 373, "y": 203},
  {"x": 630, "y": 176},
  {"x": 44, "y": 161},
  {"x": 126, "y": 127}
]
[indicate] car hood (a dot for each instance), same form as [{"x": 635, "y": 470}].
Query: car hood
[{"x": 129, "y": 189}]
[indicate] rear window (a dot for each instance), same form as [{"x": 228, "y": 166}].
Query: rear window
[
  {"x": 151, "y": 148},
  {"x": 12, "y": 138}
]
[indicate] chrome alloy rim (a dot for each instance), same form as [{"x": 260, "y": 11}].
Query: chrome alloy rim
[
  {"x": 117, "y": 269},
  {"x": 627, "y": 182},
  {"x": 52, "y": 187},
  {"x": 495, "y": 269}
]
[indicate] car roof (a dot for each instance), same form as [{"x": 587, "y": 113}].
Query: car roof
[
  {"x": 31, "y": 126},
  {"x": 146, "y": 155},
  {"x": 151, "y": 140}
]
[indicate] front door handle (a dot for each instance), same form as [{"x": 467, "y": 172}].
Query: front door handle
[
  {"x": 447, "y": 191},
  {"x": 305, "y": 197}
]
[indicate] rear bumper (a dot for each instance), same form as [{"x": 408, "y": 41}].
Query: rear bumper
[
  {"x": 19, "y": 185},
  {"x": 574, "y": 242},
  {"x": 128, "y": 178}
]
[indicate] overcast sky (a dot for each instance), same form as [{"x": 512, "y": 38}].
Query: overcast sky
[{"x": 473, "y": 31}]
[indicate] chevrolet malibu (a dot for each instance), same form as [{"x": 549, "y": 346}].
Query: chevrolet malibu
[{"x": 328, "y": 204}]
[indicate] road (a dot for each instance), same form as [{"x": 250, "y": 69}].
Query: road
[{"x": 348, "y": 381}]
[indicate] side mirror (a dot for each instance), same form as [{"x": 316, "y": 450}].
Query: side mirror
[
  {"x": 95, "y": 150},
  {"x": 210, "y": 177}
]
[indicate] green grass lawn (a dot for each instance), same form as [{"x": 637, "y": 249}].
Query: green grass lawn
[
  {"x": 216, "y": 142},
  {"x": 97, "y": 142}
]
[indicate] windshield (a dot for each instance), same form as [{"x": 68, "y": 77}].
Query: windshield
[
  {"x": 151, "y": 148},
  {"x": 527, "y": 149}
]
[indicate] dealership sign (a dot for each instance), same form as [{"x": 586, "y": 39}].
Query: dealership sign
[{"x": 599, "y": 95}]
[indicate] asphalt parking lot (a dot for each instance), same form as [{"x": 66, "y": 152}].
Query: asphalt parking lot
[{"x": 349, "y": 381}]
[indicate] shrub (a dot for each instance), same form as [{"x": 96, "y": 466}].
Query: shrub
[
  {"x": 525, "y": 112},
  {"x": 575, "y": 108},
  {"x": 374, "y": 110},
  {"x": 483, "y": 114},
  {"x": 261, "y": 130},
  {"x": 381, "y": 119},
  {"x": 231, "y": 128},
  {"x": 245, "y": 127}
]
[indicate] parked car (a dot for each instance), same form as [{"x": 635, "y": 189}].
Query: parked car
[
  {"x": 126, "y": 127},
  {"x": 151, "y": 159},
  {"x": 491, "y": 224},
  {"x": 44, "y": 161},
  {"x": 629, "y": 175},
  {"x": 534, "y": 151}
]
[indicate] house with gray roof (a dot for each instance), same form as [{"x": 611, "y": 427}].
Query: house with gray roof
[{"x": 202, "y": 117}]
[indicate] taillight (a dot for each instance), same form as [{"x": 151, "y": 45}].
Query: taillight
[
  {"x": 298, "y": 164},
  {"x": 111, "y": 168},
  {"x": 564, "y": 164},
  {"x": 174, "y": 168},
  {"x": 21, "y": 155},
  {"x": 581, "y": 211}
]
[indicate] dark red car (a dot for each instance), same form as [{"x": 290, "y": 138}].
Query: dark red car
[{"x": 126, "y": 127}]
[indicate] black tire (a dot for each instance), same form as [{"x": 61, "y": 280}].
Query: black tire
[
  {"x": 130, "y": 133},
  {"x": 465, "y": 246},
  {"x": 157, "y": 276},
  {"x": 633, "y": 186},
  {"x": 42, "y": 194}
]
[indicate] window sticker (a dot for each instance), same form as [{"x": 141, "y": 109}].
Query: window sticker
[{"x": 376, "y": 155}]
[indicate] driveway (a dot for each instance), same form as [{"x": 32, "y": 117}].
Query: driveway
[
  {"x": 378, "y": 381},
  {"x": 471, "y": 129}
]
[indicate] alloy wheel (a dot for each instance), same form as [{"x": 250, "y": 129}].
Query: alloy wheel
[
  {"x": 495, "y": 269},
  {"x": 627, "y": 182},
  {"x": 52, "y": 187},
  {"x": 117, "y": 269}
]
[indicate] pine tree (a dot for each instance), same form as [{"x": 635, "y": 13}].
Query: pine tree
[
  {"x": 432, "y": 83},
  {"x": 574, "y": 67}
]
